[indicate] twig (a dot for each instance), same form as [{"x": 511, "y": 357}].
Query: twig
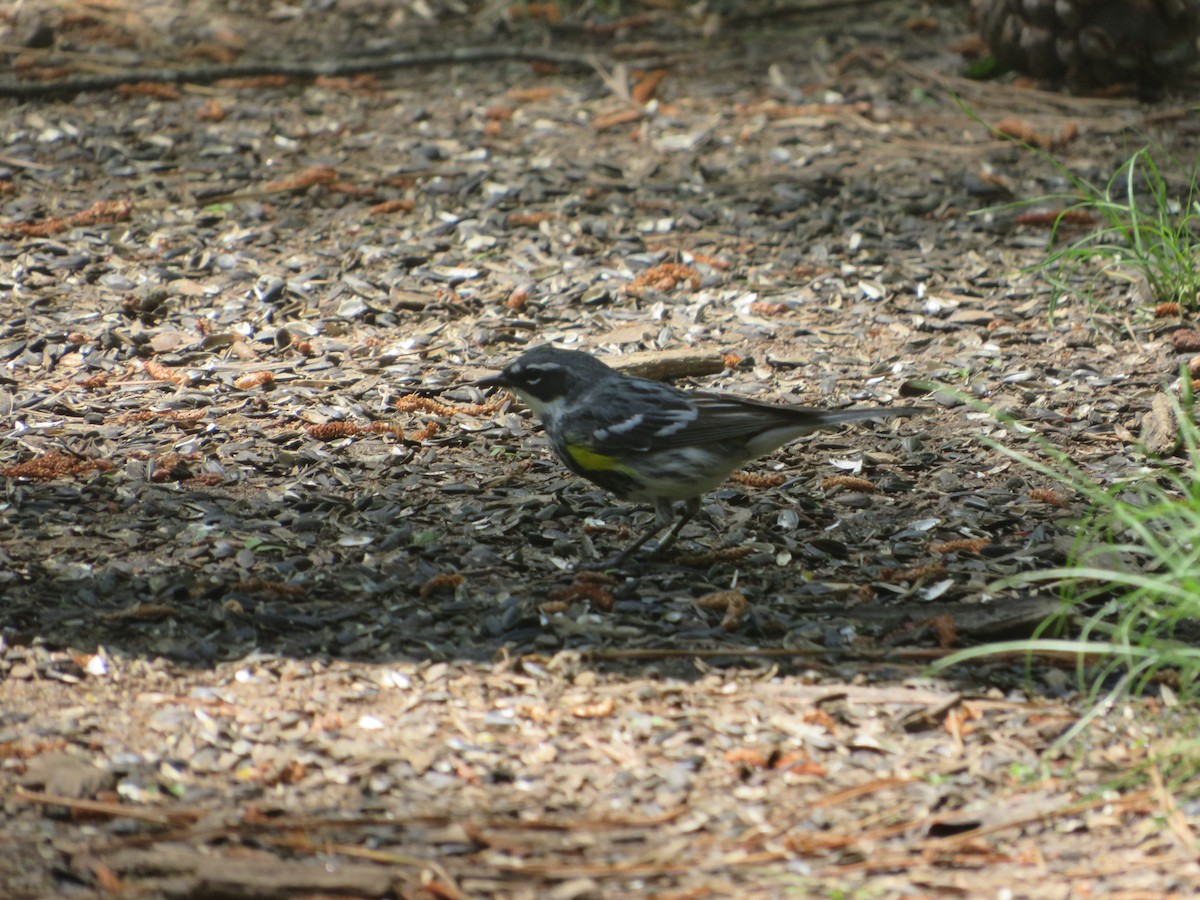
[
  {"x": 925, "y": 849},
  {"x": 763, "y": 653},
  {"x": 116, "y": 810},
  {"x": 13, "y": 161},
  {"x": 1007, "y": 93},
  {"x": 262, "y": 828},
  {"x": 308, "y": 69},
  {"x": 1184, "y": 836},
  {"x": 634, "y": 869},
  {"x": 777, "y": 13},
  {"x": 934, "y": 845},
  {"x": 449, "y": 888},
  {"x": 871, "y": 787}
]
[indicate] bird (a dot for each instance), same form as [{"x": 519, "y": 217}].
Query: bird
[{"x": 649, "y": 442}]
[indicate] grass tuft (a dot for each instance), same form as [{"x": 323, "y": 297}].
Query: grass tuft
[
  {"x": 1144, "y": 227},
  {"x": 1130, "y": 590},
  {"x": 1145, "y": 224}
]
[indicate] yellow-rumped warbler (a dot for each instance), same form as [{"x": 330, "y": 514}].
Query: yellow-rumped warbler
[{"x": 648, "y": 441}]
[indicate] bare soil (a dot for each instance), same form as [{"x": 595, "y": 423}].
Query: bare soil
[{"x": 290, "y": 610}]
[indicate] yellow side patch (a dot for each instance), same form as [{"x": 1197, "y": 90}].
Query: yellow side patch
[{"x": 592, "y": 461}]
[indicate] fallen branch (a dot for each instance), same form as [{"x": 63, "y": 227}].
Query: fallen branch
[{"x": 309, "y": 69}]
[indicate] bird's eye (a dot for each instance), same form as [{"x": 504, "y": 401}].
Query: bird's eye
[{"x": 533, "y": 379}]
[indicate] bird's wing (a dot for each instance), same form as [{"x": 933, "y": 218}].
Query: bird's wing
[{"x": 636, "y": 416}]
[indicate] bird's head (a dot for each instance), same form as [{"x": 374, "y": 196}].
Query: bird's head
[{"x": 547, "y": 378}]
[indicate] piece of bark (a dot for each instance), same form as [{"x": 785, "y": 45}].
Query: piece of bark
[
  {"x": 665, "y": 365},
  {"x": 1160, "y": 431}
]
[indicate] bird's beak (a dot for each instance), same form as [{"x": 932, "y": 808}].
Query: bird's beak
[{"x": 497, "y": 380}]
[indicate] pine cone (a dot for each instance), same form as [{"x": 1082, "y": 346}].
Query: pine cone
[{"x": 1092, "y": 43}]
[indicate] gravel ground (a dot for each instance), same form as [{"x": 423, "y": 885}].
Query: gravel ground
[{"x": 290, "y": 608}]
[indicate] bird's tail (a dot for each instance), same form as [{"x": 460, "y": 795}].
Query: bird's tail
[
  {"x": 802, "y": 421},
  {"x": 842, "y": 416}
]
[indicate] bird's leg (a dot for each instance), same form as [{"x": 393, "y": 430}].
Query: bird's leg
[
  {"x": 690, "y": 508},
  {"x": 664, "y": 512}
]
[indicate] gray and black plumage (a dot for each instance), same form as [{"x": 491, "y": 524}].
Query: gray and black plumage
[{"x": 649, "y": 442}]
